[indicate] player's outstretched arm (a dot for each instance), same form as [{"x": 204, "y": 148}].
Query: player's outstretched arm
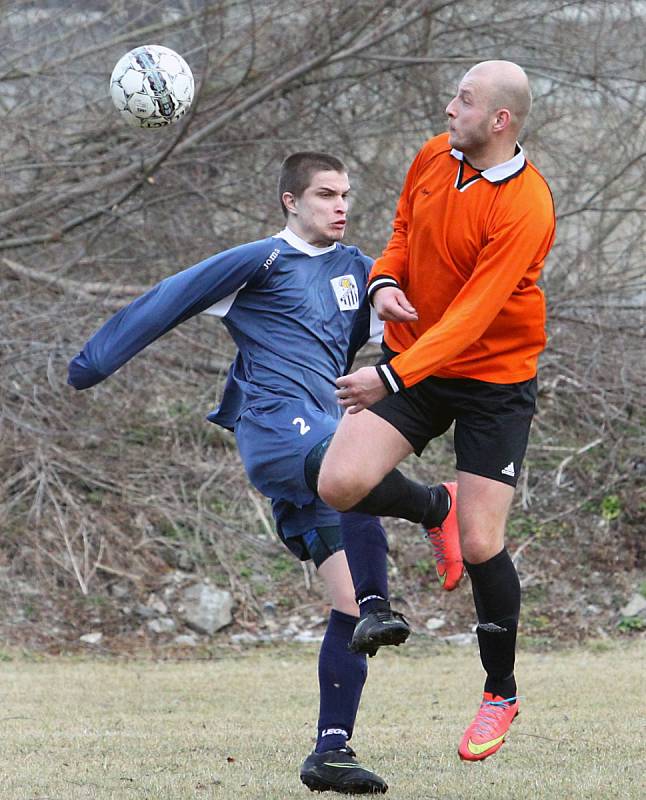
[
  {"x": 168, "y": 304},
  {"x": 134, "y": 327}
]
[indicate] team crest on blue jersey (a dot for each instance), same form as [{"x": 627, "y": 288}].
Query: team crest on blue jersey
[{"x": 347, "y": 292}]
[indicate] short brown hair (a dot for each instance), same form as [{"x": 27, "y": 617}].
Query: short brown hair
[{"x": 297, "y": 169}]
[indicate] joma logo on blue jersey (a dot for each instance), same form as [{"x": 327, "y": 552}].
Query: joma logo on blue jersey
[{"x": 272, "y": 257}]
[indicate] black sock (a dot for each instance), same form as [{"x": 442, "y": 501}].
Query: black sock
[
  {"x": 342, "y": 675},
  {"x": 399, "y": 496},
  {"x": 366, "y": 549},
  {"x": 439, "y": 504},
  {"x": 496, "y": 593}
]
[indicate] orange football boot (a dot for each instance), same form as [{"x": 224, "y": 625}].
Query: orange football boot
[
  {"x": 446, "y": 545},
  {"x": 487, "y": 732}
]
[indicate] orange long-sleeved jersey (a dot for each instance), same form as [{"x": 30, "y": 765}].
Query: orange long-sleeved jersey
[{"x": 467, "y": 249}]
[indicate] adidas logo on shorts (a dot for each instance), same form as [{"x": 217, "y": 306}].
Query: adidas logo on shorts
[{"x": 509, "y": 470}]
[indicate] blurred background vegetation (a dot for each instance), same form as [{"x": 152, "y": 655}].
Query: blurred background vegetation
[{"x": 125, "y": 484}]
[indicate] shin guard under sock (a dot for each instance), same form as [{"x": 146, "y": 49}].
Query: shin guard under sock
[
  {"x": 496, "y": 593},
  {"x": 342, "y": 675}
]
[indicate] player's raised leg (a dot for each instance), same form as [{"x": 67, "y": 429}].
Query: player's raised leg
[
  {"x": 358, "y": 476},
  {"x": 333, "y": 765},
  {"x": 362, "y": 452},
  {"x": 366, "y": 549},
  {"x": 363, "y": 537}
]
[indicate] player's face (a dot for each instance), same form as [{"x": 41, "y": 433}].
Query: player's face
[
  {"x": 319, "y": 214},
  {"x": 470, "y": 117}
]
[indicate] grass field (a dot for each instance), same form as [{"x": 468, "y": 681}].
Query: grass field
[{"x": 239, "y": 727}]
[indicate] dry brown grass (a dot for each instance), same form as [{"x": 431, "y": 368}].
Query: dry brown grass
[{"x": 239, "y": 727}]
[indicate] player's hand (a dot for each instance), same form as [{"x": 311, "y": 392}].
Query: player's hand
[
  {"x": 391, "y": 304},
  {"x": 360, "y": 389}
]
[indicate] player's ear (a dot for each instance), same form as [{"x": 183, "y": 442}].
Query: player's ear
[
  {"x": 502, "y": 119},
  {"x": 289, "y": 201}
]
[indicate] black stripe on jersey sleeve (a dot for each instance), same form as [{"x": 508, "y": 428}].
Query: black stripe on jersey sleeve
[{"x": 378, "y": 282}]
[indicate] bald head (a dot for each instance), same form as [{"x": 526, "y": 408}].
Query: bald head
[{"x": 505, "y": 85}]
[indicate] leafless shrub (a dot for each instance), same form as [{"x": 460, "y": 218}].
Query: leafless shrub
[{"x": 118, "y": 482}]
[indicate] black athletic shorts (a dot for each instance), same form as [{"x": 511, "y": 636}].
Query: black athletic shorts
[{"x": 492, "y": 421}]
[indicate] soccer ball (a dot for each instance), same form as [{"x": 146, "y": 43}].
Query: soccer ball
[{"x": 152, "y": 86}]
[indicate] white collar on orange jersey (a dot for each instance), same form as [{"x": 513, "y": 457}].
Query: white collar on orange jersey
[{"x": 501, "y": 172}]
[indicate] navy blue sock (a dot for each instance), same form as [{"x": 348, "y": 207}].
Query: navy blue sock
[
  {"x": 366, "y": 549},
  {"x": 342, "y": 675},
  {"x": 496, "y": 593}
]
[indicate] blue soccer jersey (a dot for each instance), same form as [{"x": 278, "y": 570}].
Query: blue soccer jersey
[{"x": 297, "y": 314}]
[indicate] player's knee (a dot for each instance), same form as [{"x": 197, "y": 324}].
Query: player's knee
[
  {"x": 342, "y": 496},
  {"x": 482, "y": 531},
  {"x": 479, "y": 545},
  {"x": 332, "y": 494},
  {"x": 337, "y": 489}
]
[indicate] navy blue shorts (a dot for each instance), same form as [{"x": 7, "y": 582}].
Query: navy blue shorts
[
  {"x": 317, "y": 544},
  {"x": 274, "y": 439},
  {"x": 492, "y": 421}
]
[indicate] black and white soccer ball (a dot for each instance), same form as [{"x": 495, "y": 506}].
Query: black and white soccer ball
[{"x": 152, "y": 86}]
